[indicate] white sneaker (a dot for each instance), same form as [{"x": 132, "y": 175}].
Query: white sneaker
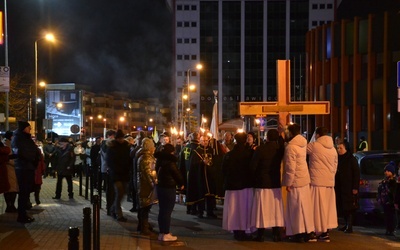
[
  {"x": 169, "y": 237},
  {"x": 160, "y": 237}
]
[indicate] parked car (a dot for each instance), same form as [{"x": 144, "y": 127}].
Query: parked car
[{"x": 371, "y": 165}]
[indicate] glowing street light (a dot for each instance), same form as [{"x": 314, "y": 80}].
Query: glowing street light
[
  {"x": 51, "y": 38},
  {"x": 121, "y": 119},
  {"x": 190, "y": 87},
  {"x": 91, "y": 126}
]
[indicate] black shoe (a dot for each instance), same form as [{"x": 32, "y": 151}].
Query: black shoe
[
  {"x": 299, "y": 238},
  {"x": 122, "y": 219},
  {"x": 324, "y": 237},
  {"x": 348, "y": 231},
  {"x": 11, "y": 210},
  {"x": 26, "y": 219},
  {"x": 311, "y": 237},
  {"x": 133, "y": 210},
  {"x": 56, "y": 197},
  {"x": 343, "y": 228}
]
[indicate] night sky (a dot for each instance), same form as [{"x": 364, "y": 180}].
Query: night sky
[{"x": 122, "y": 45}]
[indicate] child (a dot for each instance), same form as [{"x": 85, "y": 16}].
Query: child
[{"x": 386, "y": 192}]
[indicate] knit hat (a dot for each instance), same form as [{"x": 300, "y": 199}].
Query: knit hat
[
  {"x": 119, "y": 134},
  {"x": 8, "y": 135},
  {"x": 168, "y": 148},
  {"x": 241, "y": 138},
  {"x": 22, "y": 125},
  {"x": 391, "y": 167}
]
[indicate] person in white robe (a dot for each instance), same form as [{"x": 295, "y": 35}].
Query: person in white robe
[{"x": 323, "y": 162}]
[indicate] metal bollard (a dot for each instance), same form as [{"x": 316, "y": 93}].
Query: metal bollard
[
  {"x": 73, "y": 241},
  {"x": 91, "y": 186},
  {"x": 80, "y": 182},
  {"x": 87, "y": 186},
  {"x": 96, "y": 222},
  {"x": 87, "y": 227}
]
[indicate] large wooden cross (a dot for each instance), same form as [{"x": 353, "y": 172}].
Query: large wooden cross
[{"x": 284, "y": 107}]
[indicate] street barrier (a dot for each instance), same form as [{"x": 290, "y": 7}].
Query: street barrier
[
  {"x": 96, "y": 222},
  {"x": 87, "y": 224},
  {"x": 73, "y": 240}
]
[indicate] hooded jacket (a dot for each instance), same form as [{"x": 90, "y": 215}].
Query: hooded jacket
[
  {"x": 323, "y": 161},
  {"x": 296, "y": 170}
]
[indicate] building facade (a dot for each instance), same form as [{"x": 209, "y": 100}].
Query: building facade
[{"x": 238, "y": 43}]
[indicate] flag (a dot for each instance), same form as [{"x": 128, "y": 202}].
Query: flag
[
  {"x": 155, "y": 134},
  {"x": 214, "y": 119}
]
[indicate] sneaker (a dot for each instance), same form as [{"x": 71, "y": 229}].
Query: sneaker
[
  {"x": 169, "y": 237},
  {"x": 311, "y": 237},
  {"x": 160, "y": 237},
  {"x": 324, "y": 237}
]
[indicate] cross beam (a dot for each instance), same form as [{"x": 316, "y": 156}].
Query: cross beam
[{"x": 283, "y": 107}]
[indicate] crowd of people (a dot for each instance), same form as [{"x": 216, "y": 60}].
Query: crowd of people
[{"x": 320, "y": 179}]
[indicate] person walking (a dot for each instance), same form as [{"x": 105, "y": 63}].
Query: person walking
[
  {"x": 265, "y": 167},
  {"x": 119, "y": 163},
  {"x": 299, "y": 220},
  {"x": 239, "y": 192},
  {"x": 147, "y": 179},
  {"x": 65, "y": 167},
  {"x": 363, "y": 144},
  {"x": 25, "y": 164},
  {"x": 347, "y": 182},
  {"x": 169, "y": 178},
  {"x": 323, "y": 160}
]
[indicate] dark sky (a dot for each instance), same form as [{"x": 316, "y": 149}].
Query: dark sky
[{"x": 110, "y": 45}]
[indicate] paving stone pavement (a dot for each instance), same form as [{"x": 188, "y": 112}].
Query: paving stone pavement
[{"x": 54, "y": 217}]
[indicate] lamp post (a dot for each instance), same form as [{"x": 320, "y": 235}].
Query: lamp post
[
  {"x": 91, "y": 126},
  {"x": 48, "y": 37},
  {"x": 190, "y": 87},
  {"x": 121, "y": 119}
]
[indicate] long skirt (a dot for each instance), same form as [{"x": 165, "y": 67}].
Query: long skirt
[
  {"x": 237, "y": 209},
  {"x": 267, "y": 209},
  {"x": 324, "y": 201},
  {"x": 299, "y": 211}
]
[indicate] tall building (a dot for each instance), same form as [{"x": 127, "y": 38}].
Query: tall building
[{"x": 238, "y": 42}]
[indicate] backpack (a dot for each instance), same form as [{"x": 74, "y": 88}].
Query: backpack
[{"x": 383, "y": 192}]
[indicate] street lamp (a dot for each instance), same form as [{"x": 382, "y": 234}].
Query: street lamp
[
  {"x": 189, "y": 88},
  {"x": 91, "y": 126},
  {"x": 48, "y": 37},
  {"x": 121, "y": 119}
]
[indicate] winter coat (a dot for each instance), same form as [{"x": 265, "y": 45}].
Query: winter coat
[
  {"x": 65, "y": 161},
  {"x": 235, "y": 168},
  {"x": 118, "y": 160},
  {"x": 323, "y": 160},
  {"x": 168, "y": 174},
  {"x": 12, "y": 177},
  {"x": 26, "y": 150},
  {"x": 4, "y": 184},
  {"x": 146, "y": 178},
  {"x": 296, "y": 170},
  {"x": 265, "y": 165},
  {"x": 347, "y": 178}
]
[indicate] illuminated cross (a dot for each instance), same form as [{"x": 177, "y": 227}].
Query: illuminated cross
[
  {"x": 284, "y": 107},
  {"x": 187, "y": 153}
]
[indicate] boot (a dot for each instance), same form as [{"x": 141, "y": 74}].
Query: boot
[
  {"x": 260, "y": 235},
  {"x": 145, "y": 227},
  {"x": 349, "y": 228},
  {"x": 37, "y": 200}
]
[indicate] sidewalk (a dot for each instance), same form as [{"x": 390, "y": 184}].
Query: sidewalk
[{"x": 54, "y": 217}]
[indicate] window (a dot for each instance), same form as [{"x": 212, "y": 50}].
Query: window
[
  {"x": 179, "y": 7},
  {"x": 179, "y": 24},
  {"x": 314, "y": 6},
  {"x": 179, "y": 57},
  {"x": 186, "y": 24},
  {"x": 321, "y": 22},
  {"x": 329, "y": 6},
  {"x": 186, "y": 7},
  {"x": 194, "y": 40},
  {"x": 314, "y": 23},
  {"x": 194, "y": 24},
  {"x": 193, "y": 73},
  {"x": 186, "y": 57},
  {"x": 194, "y": 57},
  {"x": 179, "y": 73},
  {"x": 187, "y": 40},
  {"x": 179, "y": 40},
  {"x": 194, "y": 7},
  {"x": 322, "y": 6}
]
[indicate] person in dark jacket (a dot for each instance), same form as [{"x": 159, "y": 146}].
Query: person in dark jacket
[
  {"x": 238, "y": 186},
  {"x": 119, "y": 163},
  {"x": 95, "y": 161},
  {"x": 265, "y": 166},
  {"x": 169, "y": 178},
  {"x": 347, "y": 181},
  {"x": 25, "y": 164},
  {"x": 65, "y": 167},
  {"x": 50, "y": 158}
]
